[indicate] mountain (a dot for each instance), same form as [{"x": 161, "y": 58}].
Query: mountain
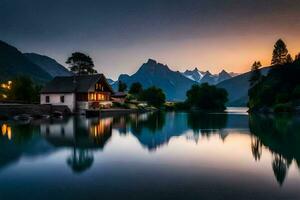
[
  {"x": 13, "y": 63},
  {"x": 156, "y": 74},
  {"x": 237, "y": 88},
  {"x": 48, "y": 64},
  {"x": 110, "y": 81},
  {"x": 206, "y": 77},
  {"x": 194, "y": 75}
]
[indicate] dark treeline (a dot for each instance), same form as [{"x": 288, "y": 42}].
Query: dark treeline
[{"x": 279, "y": 90}]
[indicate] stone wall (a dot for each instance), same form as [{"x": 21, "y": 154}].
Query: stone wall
[{"x": 11, "y": 110}]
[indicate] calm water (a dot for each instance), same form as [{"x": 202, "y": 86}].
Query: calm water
[{"x": 152, "y": 156}]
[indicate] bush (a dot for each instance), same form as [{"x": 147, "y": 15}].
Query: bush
[
  {"x": 207, "y": 97},
  {"x": 24, "y": 89},
  {"x": 153, "y": 96}
]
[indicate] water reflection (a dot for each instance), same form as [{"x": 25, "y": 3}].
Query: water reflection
[
  {"x": 281, "y": 135},
  {"x": 82, "y": 137}
]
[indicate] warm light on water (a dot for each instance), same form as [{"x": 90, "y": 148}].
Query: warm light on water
[{"x": 153, "y": 156}]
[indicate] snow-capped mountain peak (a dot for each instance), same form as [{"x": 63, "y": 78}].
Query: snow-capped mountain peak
[{"x": 206, "y": 76}]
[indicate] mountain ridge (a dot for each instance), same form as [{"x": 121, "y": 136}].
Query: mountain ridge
[
  {"x": 153, "y": 73},
  {"x": 48, "y": 64}
]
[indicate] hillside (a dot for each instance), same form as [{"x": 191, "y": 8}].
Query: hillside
[
  {"x": 279, "y": 91},
  {"x": 237, "y": 88},
  {"x": 14, "y": 63},
  {"x": 152, "y": 73},
  {"x": 48, "y": 64}
]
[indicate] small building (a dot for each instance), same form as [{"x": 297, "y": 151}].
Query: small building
[
  {"x": 79, "y": 93},
  {"x": 119, "y": 97}
]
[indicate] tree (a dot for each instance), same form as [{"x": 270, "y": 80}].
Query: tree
[
  {"x": 135, "y": 88},
  {"x": 255, "y": 73},
  {"x": 289, "y": 59},
  {"x": 81, "y": 64},
  {"x": 23, "y": 89},
  {"x": 122, "y": 86},
  {"x": 297, "y": 58},
  {"x": 153, "y": 96},
  {"x": 207, "y": 97},
  {"x": 280, "y": 53}
]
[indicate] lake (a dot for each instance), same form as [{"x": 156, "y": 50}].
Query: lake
[{"x": 158, "y": 155}]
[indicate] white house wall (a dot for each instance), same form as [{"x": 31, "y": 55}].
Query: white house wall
[{"x": 54, "y": 99}]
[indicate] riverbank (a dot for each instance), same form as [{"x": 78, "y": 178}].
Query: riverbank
[
  {"x": 10, "y": 110},
  {"x": 14, "y": 110},
  {"x": 116, "y": 111}
]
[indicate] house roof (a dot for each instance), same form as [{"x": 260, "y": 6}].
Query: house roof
[
  {"x": 119, "y": 94},
  {"x": 71, "y": 84}
]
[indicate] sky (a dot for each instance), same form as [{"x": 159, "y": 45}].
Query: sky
[{"x": 120, "y": 35}]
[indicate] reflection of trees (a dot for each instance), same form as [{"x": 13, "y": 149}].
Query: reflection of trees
[
  {"x": 206, "y": 124},
  {"x": 256, "y": 148},
  {"x": 80, "y": 160},
  {"x": 281, "y": 135},
  {"x": 280, "y": 167},
  {"x": 155, "y": 122}
]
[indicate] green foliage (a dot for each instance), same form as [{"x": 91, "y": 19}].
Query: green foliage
[
  {"x": 23, "y": 89},
  {"x": 153, "y": 96},
  {"x": 122, "y": 86},
  {"x": 81, "y": 64},
  {"x": 135, "y": 88},
  {"x": 280, "y": 53},
  {"x": 207, "y": 97}
]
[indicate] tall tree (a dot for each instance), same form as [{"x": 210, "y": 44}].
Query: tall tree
[
  {"x": 280, "y": 53},
  {"x": 122, "y": 86},
  {"x": 255, "y": 73},
  {"x": 81, "y": 64}
]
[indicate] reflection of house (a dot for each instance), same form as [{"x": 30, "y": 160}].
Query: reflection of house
[
  {"x": 78, "y": 92},
  {"x": 78, "y": 132}
]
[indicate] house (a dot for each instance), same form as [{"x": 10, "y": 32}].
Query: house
[{"x": 80, "y": 92}]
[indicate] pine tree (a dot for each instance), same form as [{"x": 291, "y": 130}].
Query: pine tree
[
  {"x": 280, "y": 53},
  {"x": 255, "y": 73}
]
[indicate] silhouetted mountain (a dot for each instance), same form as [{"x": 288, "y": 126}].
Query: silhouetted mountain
[
  {"x": 13, "y": 63},
  {"x": 206, "y": 77},
  {"x": 223, "y": 75},
  {"x": 237, "y": 88},
  {"x": 110, "y": 81},
  {"x": 48, "y": 64},
  {"x": 156, "y": 74}
]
